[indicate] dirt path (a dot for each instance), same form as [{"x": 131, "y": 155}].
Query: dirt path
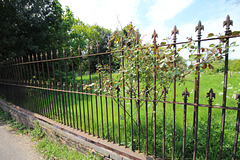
[{"x": 16, "y": 147}]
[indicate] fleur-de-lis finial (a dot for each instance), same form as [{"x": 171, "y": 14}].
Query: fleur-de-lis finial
[
  {"x": 228, "y": 23},
  {"x": 185, "y": 93},
  {"x": 198, "y": 28},
  {"x": 210, "y": 94},
  {"x": 164, "y": 91},
  {"x": 175, "y": 31},
  {"x": 154, "y": 36}
]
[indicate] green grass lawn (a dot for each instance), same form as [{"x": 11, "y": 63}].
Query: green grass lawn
[{"x": 85, "y": 116}]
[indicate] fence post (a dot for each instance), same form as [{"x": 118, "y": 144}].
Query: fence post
[
  {"x": 237, "y": 128},
  {"x": 226, "y": 23},
  {"x": 210, "y": 95},
  {"x": 174, "y": 33},
  {"x": 185, "y": 93}
]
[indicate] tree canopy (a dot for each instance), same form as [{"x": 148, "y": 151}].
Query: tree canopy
[{"x": 32, "y": 26}]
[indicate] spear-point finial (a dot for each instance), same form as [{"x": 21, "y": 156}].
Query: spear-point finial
[
  {"x": 22, "y": 58},
  {"x": 97, "y": 47},
  {"x": 29, "y": 58},
  {"x": 71, "y": 51},
  {"x": 175, "y": 31},
  {"x": 198, "y": 28},
  {"x": 41, "y": 55},
  {"x": 109, "y": 45},
  {"x": 88, "y": 48},
  {"x": 63, "y": 52},
  {"x": 45, "y": 55},
  {"x": 57, "y": 53},
  {"x": 79, "y": 50},
  {"x": 36, "y": 57},
  {"x": 51, "y": 54},
  {"x": 32, "y": 57}
]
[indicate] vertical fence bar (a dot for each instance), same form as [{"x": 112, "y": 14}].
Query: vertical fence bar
[
  {"x": 48, "y": 83},
  {"x": 79, "y": 97},
  {"x": 138, "y": 94},
  {"x": 185, "y": 94},
  {"x": 146, "y": 116},
  {"x": 174, "y": 33},
  {"x": 51, "y": 85},
  {"x": 237, "y": 128},
  {"x": 154, "y": 36},
  {"x": 39, "y": 91},
  {"x": 60, "y": 94},
  {"x": 196, "y": 93},
  {"x": 164, "y": 92},
  {"x": 42, "y": 85},
  {"x": 80, "y": 64},
  {"x": 110, "y": 70},
  {"x": 210, "y": 96},
  {"x": 54, "y": 96},
  {"x": 79, "y": 102},
  {"x": 67, "y": 99},
  {"x": 226, "y": 23},
  {"x": 88, "y": 51},
  {"x": 74, "y": 88},
  {"x": 131, "y": 106},
  {"x": 96, "y": 97},
  {"x": 124, "y": 94}
]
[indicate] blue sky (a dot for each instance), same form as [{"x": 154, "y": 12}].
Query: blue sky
[{"x": 160, "y": 15}]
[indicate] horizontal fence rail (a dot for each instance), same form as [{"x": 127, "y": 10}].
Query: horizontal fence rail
[{"x": 61, "y": 87}]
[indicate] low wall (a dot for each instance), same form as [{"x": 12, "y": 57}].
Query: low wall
[{"x": 82, "y": 141}]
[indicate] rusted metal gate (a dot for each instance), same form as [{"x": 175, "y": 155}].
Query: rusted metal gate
[{"x": 42, "y": 84}]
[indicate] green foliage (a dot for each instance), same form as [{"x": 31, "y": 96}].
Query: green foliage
[
  {"x": 37, "y": 133},
  {"x": 5, "y": 116},
  {"x": 57, "y": 150},
  {"x": 28, "y": 26},
  {"x": 235, "y": 66}
]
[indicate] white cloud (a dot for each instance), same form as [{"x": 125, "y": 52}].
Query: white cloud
[
  {"x": 105, "y": 12},
  {"x": 162, "y": 10}
]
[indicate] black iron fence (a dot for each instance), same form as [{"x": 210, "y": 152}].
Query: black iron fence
[{"x": 54, "y": 86}]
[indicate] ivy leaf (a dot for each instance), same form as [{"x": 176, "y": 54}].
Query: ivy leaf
[
  {"x": 204, "y": 66},
  {"x": 210, "y": 35},
  {"x": 235, "y": 33},
  {"x": 210, "y": 66}
]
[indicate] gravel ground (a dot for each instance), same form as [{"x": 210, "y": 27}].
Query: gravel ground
[{"x": 16, "y": 147}]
